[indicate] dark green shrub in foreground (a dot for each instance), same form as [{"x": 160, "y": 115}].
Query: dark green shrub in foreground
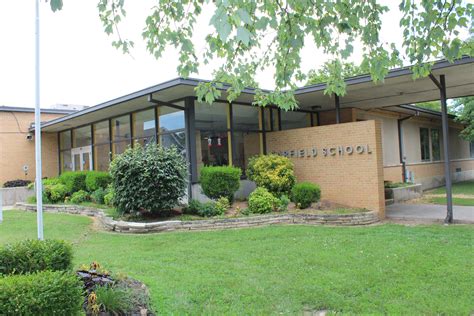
[
  {"x": 305, "y": 193},
  {"x": 16, "y": 183},
  {"x": 262, "y": 201},
  {"x": 273, "y": 172},
  {"x": 97, "y": 180},
  {"x": 220, "y": 181},
  {"x": 79, "y": 197},
  {"x": 74, "y": 181},
  {"x": 41, "y": 293},
  {"x": 33, "y": 255},
  {"x": 150, "y": 178},
  {"x": 98, "y": 196}
]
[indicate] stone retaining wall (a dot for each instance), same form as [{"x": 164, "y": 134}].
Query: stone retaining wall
[{"x": 110, "y": 224}]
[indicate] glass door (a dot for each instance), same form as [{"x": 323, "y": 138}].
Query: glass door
[{"x": 82, "y": 158}]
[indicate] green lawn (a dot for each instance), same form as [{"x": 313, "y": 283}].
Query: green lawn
[
  {"x": 385, "y": 269},
  {"x": 466, "y": 187},
  {"x": 456, "y": 201}
]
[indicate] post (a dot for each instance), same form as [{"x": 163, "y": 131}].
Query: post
[
  {"x": 338, "y": 109},
  {"x": 38, "y": 184},
  {"x": 447, "y": 164}
]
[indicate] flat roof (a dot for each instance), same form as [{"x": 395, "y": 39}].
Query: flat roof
[
  {"x": 4, "y": 108},
  {"x": 398, "y": 88}
]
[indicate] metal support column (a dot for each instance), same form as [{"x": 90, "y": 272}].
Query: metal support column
[
  {"x": 401, "y": 147},
  {"x": 338, "y": 109},
  {"x": 441, "y": 84}
]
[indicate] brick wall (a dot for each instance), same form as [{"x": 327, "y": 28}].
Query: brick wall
[
  {"x": 354, "y": 180},
  {"x": 16, "y": 151}
]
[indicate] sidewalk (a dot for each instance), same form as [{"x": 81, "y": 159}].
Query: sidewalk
[{"x": 429, "y": 212}]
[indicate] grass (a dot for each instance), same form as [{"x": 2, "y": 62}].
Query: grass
[
  {"x": 456, "y": 201},
  {"x": 466, "y": 188},
  {"x": 385, "y": 269}
]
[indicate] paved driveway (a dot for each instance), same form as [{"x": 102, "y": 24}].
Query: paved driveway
[{"x": 428, "y": 212}]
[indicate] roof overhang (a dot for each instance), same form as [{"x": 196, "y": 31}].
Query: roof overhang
[{"x": 398, "y": 88}]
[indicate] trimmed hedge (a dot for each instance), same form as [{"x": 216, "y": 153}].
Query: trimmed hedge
[
  {"x": 273, "y": 172},
  {"x": 34, "y": 255},
  {"x": 222, "y": 181},
  {"x": 262, "y": 201},
  {"x": 16, "y": 183},
  {"x": 74, "y": 181},
  {"x": 42, "y": 293},
  {"x": 305, "y": 193},
  {"x": 97, "y": 180}
]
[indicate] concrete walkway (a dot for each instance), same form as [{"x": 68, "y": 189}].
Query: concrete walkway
[{"x": 429, "y": 212}]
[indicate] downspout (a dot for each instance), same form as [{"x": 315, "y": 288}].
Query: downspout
[{"x": 400, "y": 145}]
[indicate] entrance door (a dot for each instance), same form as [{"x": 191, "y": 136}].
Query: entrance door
[{"x": 82, "y": 158}]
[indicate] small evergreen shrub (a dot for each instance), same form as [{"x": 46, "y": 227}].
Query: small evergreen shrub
[
  {"x": 220, "y": 181},
  {"x": 305, "y": 193},
  {"x": 98, "y": 196},
  {"x": 34, "y": 255},
  {"x": 54, "y": 193},
  {"x": 74, "y": 181},
  {"x": 114, "y": 300},
  {"x": 16, "y": 183},
  {"x": 97, "y": 180},
  {"x": 41, "y": 293},
  {"x": 151, "y": 178},
  {"x": 192, "y": 208},
  {"x": 273, "y": 172},
  {"x": 79, "y": 197},
  {"x": 283, "y": 203},
  {"x": 209, "y": 209},
  {"x": 222, "y": 205},
  {"x": 262, "y": 201}
]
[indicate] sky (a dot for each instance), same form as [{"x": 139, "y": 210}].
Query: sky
[{"x": 79, "y": 65}]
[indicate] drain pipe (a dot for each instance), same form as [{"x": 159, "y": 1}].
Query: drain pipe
[{"x": 400, "y": 146}]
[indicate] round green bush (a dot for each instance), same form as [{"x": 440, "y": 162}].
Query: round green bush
[
  {"x": 262, "y": 201},
  {"x": 79, "y": 197},
  {"x": 305, "y": 193},
  {"x": 273, "y": 172},
  {"x": 222, "y": 181},
  {"x": 74, "y": 181},
  {"x": 97, "y": 180},
  {"x": 151, "y": 178},
  {"x": 54, "y": 193}
]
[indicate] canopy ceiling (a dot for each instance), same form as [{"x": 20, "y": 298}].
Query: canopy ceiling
[{"x": 398, "y": 88}]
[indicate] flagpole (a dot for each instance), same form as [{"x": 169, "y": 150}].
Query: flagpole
[{"x": 38, "y": 183}]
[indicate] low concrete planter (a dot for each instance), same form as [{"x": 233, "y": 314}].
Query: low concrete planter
[
  {"x": 10, "y": 196},
  {"x": 110, "y": 224},
  {"x": 404, "y": 193}
]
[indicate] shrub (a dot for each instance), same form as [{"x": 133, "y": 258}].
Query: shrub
[
  {"x": 74, "y": 181},
  {"x": 98, "y": 196},
  {"x": 151, "y": 178},
  {"x": 283, "y": 203},
  {"x": 109, "y": 196},
  {"x": 193, "y": 207},
  {"x": 222, "y": 205},
  {"x": 33, "y": 255},
  {"x": 262, "y": 201},
  {"x": 305, "y": 193},
  {"x": 273, "y": 172},
  {"x": 209, "y": 209},
  {"x": 42, "y": 293},
  {"x": 79, "y": 197},
  {"x": 16, "y": 183},
  {"x": 54, "y": 193},
  {"x": 97, "y": 180},
  {"x": 220, "y": 181}
]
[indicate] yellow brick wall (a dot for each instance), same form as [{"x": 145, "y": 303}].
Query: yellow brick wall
[
  {"x": 354, "y": 180},
  {"x": 16, "y": 151},
  {"x": 393, "y": 173},
  {"x": 426, "y": 170}
]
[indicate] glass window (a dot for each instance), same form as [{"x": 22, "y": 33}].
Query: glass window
[
  {"x": 212, "y": 148},
  {"x": 246, "y": 145},
  {"x": 65, "y": 140},
  {"x": 435, "y": 145},
  {"x": 81, "y": 136},
  {"x": 120, "y": 147},
  {"x": 245, "y": 118},
  {"x": 144, "y": 124},
  {"x": 293, "y": 119},
  {"x": 425, "y": 144},
  {"x": 121, "y": 128},
  {"x": 66, "y": 161},
  {"x": 170, "y": 119},
  {"x": 211, "y": 117},
  {"x": 472, "y": 149},
  {"x": 177, "y": 139},
  {"x": 101, "y": 132},
  {"x": 101, "y": 157}
]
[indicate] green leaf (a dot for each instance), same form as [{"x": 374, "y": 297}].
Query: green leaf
[
  {"x": 243, "y": 35},
  {"x": 56, "y": 5},
  {"x": 244, "y": 16}
]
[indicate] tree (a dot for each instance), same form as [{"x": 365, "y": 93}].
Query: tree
[
  {"x": 464, "y": 108},
  {"x": 252, "y": 36}
]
